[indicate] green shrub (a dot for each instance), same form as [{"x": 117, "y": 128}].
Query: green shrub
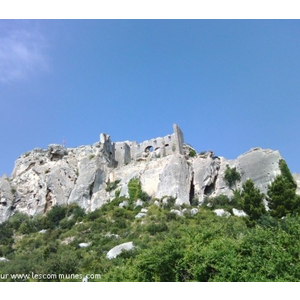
[
  {"x": 220, "y": 201},
  {"x": 253, "y": 201},
  {"x": 169, "y": 202},
  {"x": 56, "y": 214},
  {"x": 110, "y": 186},
  {"x": 286, "y": 173},
  {"x": 67, "y": 223},
  {"x": 76, "y": 211},
  {"x": 17, "y": 219},
  {"x": 195, "y": 201},
  {"x": 231, "y": 176},
  {"x": 135, "y": 190},
  {"x": 155, "y": 228},
  {"x": 282, "y": 198},
  {"x": 192, "y": 152}
]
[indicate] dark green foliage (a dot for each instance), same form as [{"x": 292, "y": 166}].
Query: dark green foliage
[
  {"x": 75, "y": 211},
  {"x": 6, "y": 238},
  {"x": 222, "y": 201},
  {"x": 112, "y": 185},
  {"x": 159, "y": 263},
  {"x": 216, "y": 202},
  {"x": 169, "y": 202},
  {"x": 285, "y": 172},
  {"x": 282, "y": 198},
  {"x": 17, "y": 219},
  {"x": 195, "y": 201},
  {"x": 192, "y": 152},
  {"x": 55, "y": 215},
  {"x": 253, "y": 201},
  {"x": 155, "y": 228},
  {"x": 237, "y": 200},
  {"x": 168, "y": 247},
  {"x": 135, "y": 190},
  {"x": 231, "y": 176}
]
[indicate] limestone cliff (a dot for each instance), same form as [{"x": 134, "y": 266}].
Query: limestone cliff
[{"x": 165, "y": 166}]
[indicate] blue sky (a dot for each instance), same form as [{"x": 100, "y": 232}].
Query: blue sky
[{"x": 230, "y": 85}]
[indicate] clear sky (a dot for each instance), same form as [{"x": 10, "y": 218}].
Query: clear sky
[{"x": 230, "y": 85}]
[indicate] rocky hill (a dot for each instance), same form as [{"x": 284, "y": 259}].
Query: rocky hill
[{"x": 91, "y": 175}]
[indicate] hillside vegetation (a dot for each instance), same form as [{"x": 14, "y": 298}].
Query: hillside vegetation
[{"x": 66, "y": 243}]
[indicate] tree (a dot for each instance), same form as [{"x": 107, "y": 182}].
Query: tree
[
  {"x": 282, "y": 196},
  {"x": 231, "y": 176},
  {"x": 286, "y": 173},
  {"x": 253, "y": 201}
]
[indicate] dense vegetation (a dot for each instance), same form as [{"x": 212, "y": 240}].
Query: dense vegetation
[{"x": 264, "y": 246}]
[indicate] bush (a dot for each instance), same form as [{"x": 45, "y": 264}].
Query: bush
[
  {"x": 67, "y": 224},
  {"x": 285, "y": 172},
  {"x": 216, "y": 202},
  {"x": 135, "y": 190},
  {"x": 231, "y": 176},
  {"x": 76, "y": 211},
  {"x": 169, "y": 203},
  {"x": 192, "y": 152},
  {"x": 110, "y": 186},
  {"x": 253, "y": 201},
  {"x": 282, "y": 198},
  {"x": 17, "y": 219},
  {"x": 56, "y": 214},
  {"x": 155, "y": 228}
]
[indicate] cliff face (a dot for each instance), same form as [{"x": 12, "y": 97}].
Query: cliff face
[{"x": 45, "y": 177}]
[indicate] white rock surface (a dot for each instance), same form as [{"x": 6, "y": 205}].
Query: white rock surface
[
  {"x": 222, "y": 213},
  {"x": 177, "y": 212},
  {"x": 43, "y": 178},
  {"x": 114, "y": 252},
  {"x": 194, "y": 211},
  {"x": 4, "y": 259},
  {"x": 84, "y": 245},
  {"x": 239, "y": 213},
  {"x": 140, "y": 215}
]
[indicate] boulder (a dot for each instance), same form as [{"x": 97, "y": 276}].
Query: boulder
[
  {"x": 138, "y": 203},
  {"x": 3, "y": 259},
  {"x": 194, "y": 211},
  {"x": 239, "y": 213},
  {"x": 84, "y": 245},
  {"x": 140, "y": 215},
  {"x": 6, "y": 198},
  {"x": 222, "y": 213},
  {"x": 114, "y": 252}
]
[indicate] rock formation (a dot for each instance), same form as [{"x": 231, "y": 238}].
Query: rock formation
[{"x": 165, "y": 166}]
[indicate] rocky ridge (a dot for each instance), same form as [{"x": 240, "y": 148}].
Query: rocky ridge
[{"x": 165, "y": 166}]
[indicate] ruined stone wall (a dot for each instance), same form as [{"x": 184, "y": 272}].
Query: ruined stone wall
[
  {"x": 124, "y": 152},
  {"x": 107, "y": 147},
  {"x": 179, "y": 140}
]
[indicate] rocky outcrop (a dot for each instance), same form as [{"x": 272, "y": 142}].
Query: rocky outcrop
[
  {"x": 6, "y": 198},
  {"x": 57, "y": 175}
]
